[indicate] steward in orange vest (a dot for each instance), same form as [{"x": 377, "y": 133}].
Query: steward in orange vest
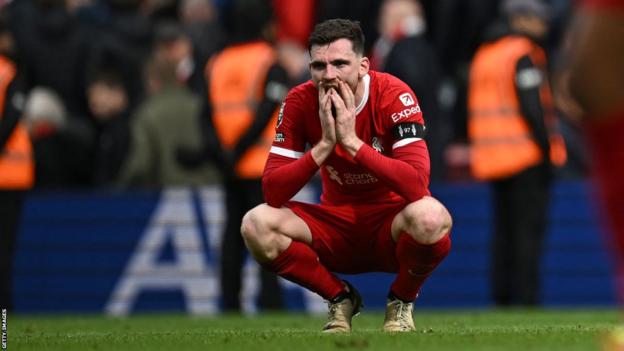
[
  {"x": 506, "y": 136},
  {"x": 244, "y": 104},
  {"x": 245, "y": 87},
  {"x": 17, "y": 170},
  {"x": 515, "y": 139}
]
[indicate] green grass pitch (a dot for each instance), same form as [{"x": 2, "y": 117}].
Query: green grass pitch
[{"x": 504, "y": 330}]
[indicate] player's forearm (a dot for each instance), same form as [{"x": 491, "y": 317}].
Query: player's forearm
[
  {"x": 283, "y": 178},
  {"x": 408, "y": 178},
  {"x": 352, "y": 145},
  {"x": 321, "y": 151}
]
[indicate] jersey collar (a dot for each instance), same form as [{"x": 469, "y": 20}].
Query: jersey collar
[{"x": 360, "y": 106}]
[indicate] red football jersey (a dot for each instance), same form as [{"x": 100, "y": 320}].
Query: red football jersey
[{"x": 387, "y": 119}]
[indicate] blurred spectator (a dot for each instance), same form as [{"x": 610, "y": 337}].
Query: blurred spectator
[
  {"x": 74, "y": 6},
  {"x": 245, "y": 88},
  {"x": 54, "y": 49},
  {"x": 173, "y": 45},
  {"x": 16, "y": 158},
  {"x": 200, "y": 20},
  {"x": 128, "y": 35},
  {"x": 514, "y": 140},
  {"x": 160, "y": 10},
  {"x": 44, "y": 112},
  {"x": 397, "y": 19},
  {"x": 456, "y": 29},
  {"x": 62, "y": 145},
  {"x": 110, "y": 110},
  {"x": 294, "y": 59},
  {"x": 164, "y": 122},
  {"x": 412, "y": 59}
]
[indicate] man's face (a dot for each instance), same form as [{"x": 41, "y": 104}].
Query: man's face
[
  {"x": 106, "y": 101},
  {"x": 334, "y": 61}
]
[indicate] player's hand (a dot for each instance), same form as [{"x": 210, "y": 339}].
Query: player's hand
[
  {"x": 344, "y": 102},
  {"x": 328, "y": 123},
  {"x": 326, "y": 145}
]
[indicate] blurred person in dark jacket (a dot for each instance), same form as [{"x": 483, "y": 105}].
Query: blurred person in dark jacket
[
  {"x": 413, "y": 60},
  {"x": 54, "y": 48},
  {"x": 200, "y": 21},
  {"x": 173, "y": 44},
  {"x": 456, "y": 31},
  {"x": 109, "y": 108},
  {"x": 62, "y": 144},
  {"x": 397, "y": 19},
  {"x": 129, "y": 33}
]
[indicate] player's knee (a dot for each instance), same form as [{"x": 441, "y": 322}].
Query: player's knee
[
  {"x": 247, "y": 228},
  {"x": 428, "y": 221},
  {"x": 252, "y": 224}
]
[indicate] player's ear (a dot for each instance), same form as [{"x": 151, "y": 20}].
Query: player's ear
[{"x": 364, "y": 67}]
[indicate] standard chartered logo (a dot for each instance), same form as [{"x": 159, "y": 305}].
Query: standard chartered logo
[
  {"x": 350, "y": 178},
  {"x": 333, "y": 174},
  {"x": 360, "y": 178}
]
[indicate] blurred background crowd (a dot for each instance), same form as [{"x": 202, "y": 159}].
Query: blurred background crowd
[
  {"x": 140, "y": 94},
  {"x": 100, "y": 74}
]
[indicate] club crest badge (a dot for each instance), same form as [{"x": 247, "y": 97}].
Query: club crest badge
[
  {"x": 280, "y": 116},
  {"x": 377, "y": 145}
]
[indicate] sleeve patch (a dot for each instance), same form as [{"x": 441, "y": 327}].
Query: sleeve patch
[
  {"x": 408, "y": 130},
  {"x": 397, "y": 116},
  {"x": 406, "y": 99},
  {"x": 279, "y": 137},
  {"x": 280, "y": 115}
]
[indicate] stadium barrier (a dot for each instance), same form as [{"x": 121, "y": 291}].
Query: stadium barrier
[{"x": 121, "y": 253}]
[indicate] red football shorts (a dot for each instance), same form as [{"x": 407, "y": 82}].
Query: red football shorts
[{"x": 352, "y": 238}]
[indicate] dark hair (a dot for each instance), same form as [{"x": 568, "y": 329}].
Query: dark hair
[
  {"x": 331, "y": 30},
  {"x": 107, "y": 67},
  {"x": 108, "y": 76}
]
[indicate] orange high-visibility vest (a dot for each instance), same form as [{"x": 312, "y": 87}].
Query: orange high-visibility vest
[
  {"x": 502, "y": 143},
  {"x": 237, "y": 78},
  {"x": 17, "y": 169}
]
